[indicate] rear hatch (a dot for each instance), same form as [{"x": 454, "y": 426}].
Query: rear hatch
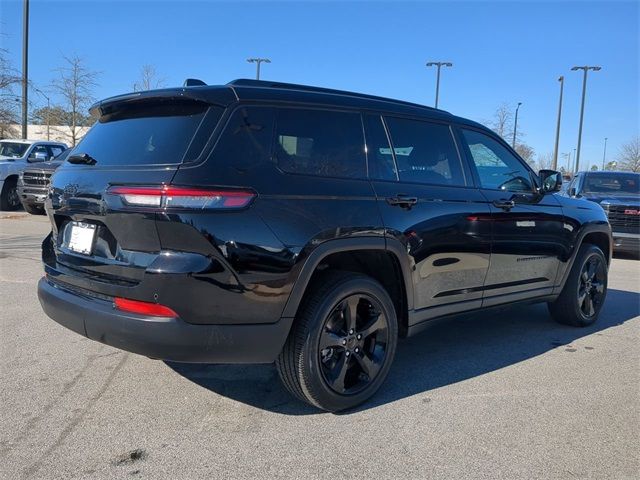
[{"x": 99, "y": 242}]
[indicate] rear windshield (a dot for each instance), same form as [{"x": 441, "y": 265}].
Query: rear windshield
[
  {"x": 156, "y": 134},
  {"x": 612, "y": 183}
]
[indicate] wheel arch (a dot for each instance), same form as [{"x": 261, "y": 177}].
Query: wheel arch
[
  {"x": 598, "y": 234},
  {"x": 364, "y": 255}
]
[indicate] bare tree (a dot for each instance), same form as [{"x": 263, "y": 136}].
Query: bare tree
[
  {"x": 545, "y": 161},
  {"x": 527, "y": 153},
  {"x": 149, "y": 79},
  {"x": 75, "y": 86},
  {"x": 502, "y": 121},
  {"x": 629, "y": 155},
  {"x": 9, "y": 103}
]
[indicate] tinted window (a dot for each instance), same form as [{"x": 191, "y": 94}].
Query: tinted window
[
  {"x": 144, "y": 135},
  {"x": 497, "y": 167},
  {"x": 612, "y": 183},
  {"x": 246, "y": 140},
  {"x": 42, "y": 149},
  {"x": 425, "y": 152},
  {"x": 319, "y": 142},
  {"x": 379, "y": 157}
]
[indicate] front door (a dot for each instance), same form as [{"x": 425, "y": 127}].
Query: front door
[
  {"x": 428, "y": 204},
  {"x": 527, "y": 227}
]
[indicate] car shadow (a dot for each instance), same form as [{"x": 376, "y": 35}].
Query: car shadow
[{"x": 450, "y": 350}]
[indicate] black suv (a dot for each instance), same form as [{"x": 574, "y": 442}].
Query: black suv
[
  {"x": 257, "y": 222},
  {"x": 618, "y": 193}
]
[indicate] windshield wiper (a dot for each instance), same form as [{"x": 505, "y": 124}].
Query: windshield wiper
[{"x": 82, "y": 158}]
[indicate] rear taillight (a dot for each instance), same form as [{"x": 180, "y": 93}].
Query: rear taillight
[
  {"x": 143, "y": 308},
  {"x": 168, "y": 197}
]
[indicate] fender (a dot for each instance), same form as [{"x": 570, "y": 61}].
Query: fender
[
  {"x": 344, "y": 245},
  {"x": 584, "y": 231}
]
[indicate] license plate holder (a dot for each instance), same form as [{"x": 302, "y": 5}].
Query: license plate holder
[{"x": 81, "y": 237}]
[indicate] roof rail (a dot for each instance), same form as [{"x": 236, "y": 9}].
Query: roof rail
[
  {"x": 244, "y": 82},
  {"x": 193, "y": 82}
]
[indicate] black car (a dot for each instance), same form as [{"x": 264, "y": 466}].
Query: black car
[
  {"x": 33, "y": 183},
  {"x": 261, "y": 222},
  {"x": 618, "y": 193}
]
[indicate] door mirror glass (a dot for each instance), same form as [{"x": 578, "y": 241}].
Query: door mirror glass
[
  {"x": 38, "y": 157},
  {"x": 551, "y": 181}
]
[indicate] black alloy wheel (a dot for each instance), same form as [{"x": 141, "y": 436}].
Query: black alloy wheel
[{"x": 353, "y": 344}]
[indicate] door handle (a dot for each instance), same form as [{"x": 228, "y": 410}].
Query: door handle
[
  {"x": 504, "y": 204},
  {"x": 403, "y": 201}
]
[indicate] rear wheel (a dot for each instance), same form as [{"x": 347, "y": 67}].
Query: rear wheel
[
  {"x": 583, "y": 295},
  {"x": 9, "y": 199},
  {"x": 343, "y": 342}
]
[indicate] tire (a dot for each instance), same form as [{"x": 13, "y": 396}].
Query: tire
[
  {"x": 9, "y": 199},
  {"x": 353, "y": 364},
  {"x": 584, "y": 293},
  {"x": 33, "y": 209}
]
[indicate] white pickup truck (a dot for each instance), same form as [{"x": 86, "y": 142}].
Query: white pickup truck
[{"x": 15, "y": 156}]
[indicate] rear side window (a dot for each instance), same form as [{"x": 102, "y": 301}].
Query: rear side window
[
  {"x": 246, "y": 140},
  {"x": 150, "y": 134},
  {"x": 425, "y": 152},
  {"x": 320, "y": 142}
]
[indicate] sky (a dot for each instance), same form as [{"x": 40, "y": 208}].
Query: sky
[{"x": 505, "y": 51}]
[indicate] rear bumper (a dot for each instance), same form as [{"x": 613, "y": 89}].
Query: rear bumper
[
  {"x": 162, "y": 338},
  {"x": 626, "y": 242}
]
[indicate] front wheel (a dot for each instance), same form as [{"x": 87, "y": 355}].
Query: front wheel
[
  {"x": 9, "y": 199},
  {"x": 583, "y": 295},
  {"x": 342, "y": 344}
]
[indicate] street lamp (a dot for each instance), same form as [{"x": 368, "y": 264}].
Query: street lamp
[
  {"x": 555, "y": 150},
  {"x": 439, "y": 65},
  {"x": 585, "y": 69},
  {"x": 258, "y": 61},
  {"x": 604, "y": 154},
  {"x": 48, "y": 110},
  {"x": 515, "y": 126}
]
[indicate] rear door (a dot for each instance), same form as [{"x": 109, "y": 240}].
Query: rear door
[
  {"x": 141, "y": 143},
  {"x": 527, "y": 227},
  {"x": 430, "y": 206}
]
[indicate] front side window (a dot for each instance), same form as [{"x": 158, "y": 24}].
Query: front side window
[
  {"x": 320, "y": 142},
  {"x": 497, "y": 168},
  {"x": 425, "y": 152}
]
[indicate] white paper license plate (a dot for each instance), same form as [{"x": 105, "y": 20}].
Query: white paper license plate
[{"x": 81, "y": 238}]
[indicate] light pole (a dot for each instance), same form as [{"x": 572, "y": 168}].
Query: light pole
[
  {"x": 439, "y": 65},
  {"x": 48, "y": 111},
  {"x": 555, "y": 150},
  {"x": 258, "y": 61},
  {"x": 604, "y": 154},
  {"x": 585, "y": 68},
  {"x": 515, "y": 127},
  {"x": 25, "y": 64}
]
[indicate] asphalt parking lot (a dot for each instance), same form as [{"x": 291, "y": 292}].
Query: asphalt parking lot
[{"x": 503, "y": 394}]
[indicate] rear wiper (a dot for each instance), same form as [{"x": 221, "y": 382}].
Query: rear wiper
[{"x": 80, "y": 158}]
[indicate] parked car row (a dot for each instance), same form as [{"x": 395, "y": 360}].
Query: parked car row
[{"x": 18, "y": 156}]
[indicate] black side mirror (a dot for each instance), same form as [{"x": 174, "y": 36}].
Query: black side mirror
[{"x": 551, "y": 181}]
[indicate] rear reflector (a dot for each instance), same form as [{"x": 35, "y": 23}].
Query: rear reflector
[
  {"x": 182, "y": 197},
  {"x": 143, "y": 308}
]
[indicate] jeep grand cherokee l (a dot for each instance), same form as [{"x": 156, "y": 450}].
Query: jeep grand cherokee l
[{"x": 257, "y": 222}]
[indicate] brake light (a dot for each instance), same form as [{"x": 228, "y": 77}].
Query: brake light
[
  {"x": 182, "y": 197},
  {"x": 143, "y": 308}
]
